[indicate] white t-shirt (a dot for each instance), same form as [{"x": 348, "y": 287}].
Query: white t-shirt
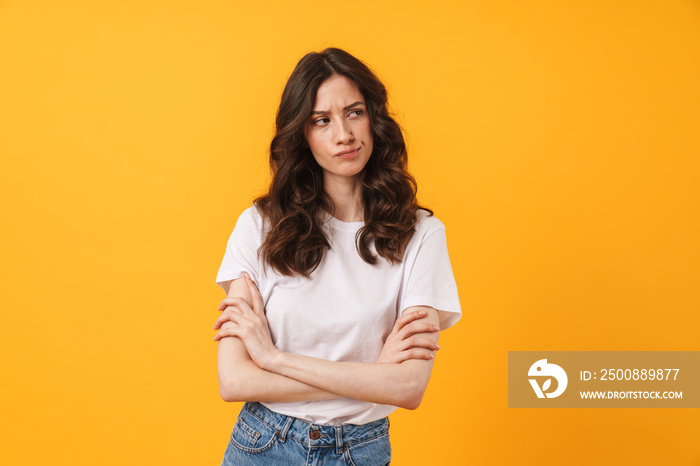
[{"x": 347, "y": 307}]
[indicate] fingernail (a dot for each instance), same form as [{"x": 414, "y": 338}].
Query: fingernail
[
  {"x": 437, "y": 346},
  {"x": 432, "y": 356},
  {"x": 435, "y": 327}
]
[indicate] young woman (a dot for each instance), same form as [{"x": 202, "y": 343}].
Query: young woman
[{"x": 337, "y": 281}]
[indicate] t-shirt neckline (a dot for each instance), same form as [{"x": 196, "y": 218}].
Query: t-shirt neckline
[{"x": 341, "y": 225}]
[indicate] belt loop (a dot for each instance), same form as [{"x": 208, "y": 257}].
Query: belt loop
[
  {"x": 339, "y": 448},
  {"x": 285, "y": 428}
]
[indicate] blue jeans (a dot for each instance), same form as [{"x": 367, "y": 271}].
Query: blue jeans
[{"x": 263, "y": 437}]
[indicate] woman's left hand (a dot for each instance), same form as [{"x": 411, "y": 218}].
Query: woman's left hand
[
  {"x": 408, "y": 339},
  {"x": 248, "y": 323}
]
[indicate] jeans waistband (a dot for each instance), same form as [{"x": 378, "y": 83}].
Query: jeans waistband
[{"x": 337, "y": 436}]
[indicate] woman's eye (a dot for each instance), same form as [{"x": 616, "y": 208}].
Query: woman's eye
[
  {"x": 321, "y": 121},
  {"x": 356, "y": 112}
]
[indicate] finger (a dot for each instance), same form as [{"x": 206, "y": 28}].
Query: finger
[
  {"x": 228, "y": 316},
  {"x": 412, "y": 315},
  {"x": 232, "y": 301},
  {"x": 227, "y": 332},
  {"x": 233, "y": 309},
  {"x": 255, "y": 295},
  {"x": 231, "y": 314},
  {"x": 418, "y": 354},
  {"x": 408, "y": 318},
  {"x": 417, "y": 342},
  {"x": 237, "y": 302},
  {"x": 414, "y": 354},
  {"x": 418, "y": 327}
]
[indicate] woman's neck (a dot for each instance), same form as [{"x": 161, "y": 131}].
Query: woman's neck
[{"x": 346, "y": 195}]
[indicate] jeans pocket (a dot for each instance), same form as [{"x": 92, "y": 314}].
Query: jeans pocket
[
  {"x": 251, "y": 435},
  {"x": 373, "y": 452}
]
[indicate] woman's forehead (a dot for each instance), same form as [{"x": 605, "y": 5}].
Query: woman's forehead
[{"x": 336, "y": 92}]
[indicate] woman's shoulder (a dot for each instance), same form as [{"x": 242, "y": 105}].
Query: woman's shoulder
[
  {"x": 427, "y": 222},
  {"x": 429, "y": 235},
  {"x": 250, "y": 219}
]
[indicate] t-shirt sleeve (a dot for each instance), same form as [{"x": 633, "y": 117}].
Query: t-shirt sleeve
[
  {"x": 430, "y": 281},
  {"x": 242, "y": 249}
]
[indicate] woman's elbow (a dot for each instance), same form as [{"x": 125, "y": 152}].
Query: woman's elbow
[
  {"x": 225, "y": 393},
  {"x": 410, "y": 403},
  {"x": 231, "y": 391},
  {"x": 412, "y": 396}
]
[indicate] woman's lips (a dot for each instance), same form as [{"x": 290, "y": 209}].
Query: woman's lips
[{"x": 348, "y": 154}]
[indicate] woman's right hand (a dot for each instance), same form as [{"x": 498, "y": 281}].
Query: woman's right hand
[
  {"x": 249, "y": 323},
  {"x": 403, "y": 344}
]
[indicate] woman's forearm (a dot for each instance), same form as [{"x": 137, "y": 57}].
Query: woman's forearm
[
  {"x": 400, "y": 385},
  {"x": 251, "y": 368},
  {"x": 240, "y": 379}
]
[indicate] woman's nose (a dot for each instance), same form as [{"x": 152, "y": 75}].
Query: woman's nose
[{"x": 344, "y": 133}]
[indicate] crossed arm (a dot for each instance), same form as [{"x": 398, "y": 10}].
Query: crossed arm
[{"x": 251, "y": 368}]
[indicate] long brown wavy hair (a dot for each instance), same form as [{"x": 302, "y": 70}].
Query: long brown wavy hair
[{"x": 294, "y": 204}]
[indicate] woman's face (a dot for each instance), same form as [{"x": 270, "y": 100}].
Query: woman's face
[{"x": 339, "y": 133}]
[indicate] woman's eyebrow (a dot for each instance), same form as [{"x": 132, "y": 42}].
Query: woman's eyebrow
[{"x": 323, "y": 112}]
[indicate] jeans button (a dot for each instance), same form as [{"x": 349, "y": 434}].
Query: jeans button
[{"x": 314, "y": 435}]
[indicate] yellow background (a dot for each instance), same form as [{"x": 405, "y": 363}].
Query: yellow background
[{"x": 558, "y": 142}]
